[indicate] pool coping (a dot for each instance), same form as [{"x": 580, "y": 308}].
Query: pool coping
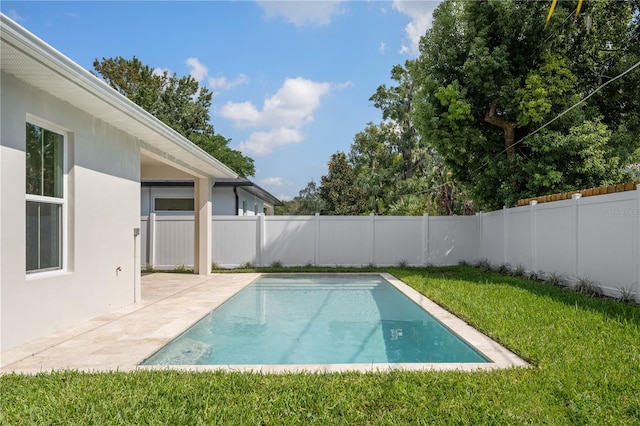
[{"x": 121, "y": 340}]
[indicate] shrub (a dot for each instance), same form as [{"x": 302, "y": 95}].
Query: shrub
[
  {"x": 484, "y": 265},
  {"x": 519, "y": 271},
  {"x": 556, "y": 280},
  {"x": 585, "y": 286},
  {"x": 504, "y": 269},
  {"x": 626, "y": 293}
]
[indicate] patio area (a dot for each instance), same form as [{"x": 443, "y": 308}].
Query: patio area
[
  {"x": 121, "y": 339},
  {"x": 171, "y": 303}
]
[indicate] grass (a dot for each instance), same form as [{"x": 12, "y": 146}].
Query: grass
[{"x": 584, "y": 351}]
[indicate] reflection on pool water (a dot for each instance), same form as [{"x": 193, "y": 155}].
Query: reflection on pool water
[{"x": 317, "y": 319}]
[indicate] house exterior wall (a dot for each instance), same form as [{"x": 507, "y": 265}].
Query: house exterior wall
[
  {"x": 103, "y": 205},
  {"x": 224, "y": 201}
]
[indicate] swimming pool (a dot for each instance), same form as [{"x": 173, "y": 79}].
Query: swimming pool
[{"x": 324, "y": 320}]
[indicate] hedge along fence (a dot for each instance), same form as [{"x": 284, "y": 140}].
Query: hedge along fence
[
  {"x": 601, "y": 190},
  {"x": 595, "y": 238}
]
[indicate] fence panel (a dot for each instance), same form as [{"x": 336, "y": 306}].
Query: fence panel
[
  {"x": 398, "y": 240},
  {"x": 492, "y": 233},
  {"x": 289, "y": 240},
  {"x": 555, "y": 234},
  {"x": 173, "y": 242},
  {"x": 235, "y": 240},
  {"x": 344, "y": 240},
  {"x": 453, "y": 239},
  {"x": 608, "y": 254},
  {"x": 518, "y": 237}
]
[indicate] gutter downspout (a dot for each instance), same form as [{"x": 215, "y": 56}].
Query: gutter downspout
[{"x": 235, "y": 192}]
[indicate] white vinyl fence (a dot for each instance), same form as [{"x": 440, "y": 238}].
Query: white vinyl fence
[{"x": 597, "y": 238}]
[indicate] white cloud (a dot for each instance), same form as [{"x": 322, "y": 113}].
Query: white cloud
[
  {"x": 14, "y": 15},
  {"x": 420, "y": 13},
  {"x": 283, "y": 115},
  {"x": 300, "y": 13},
  {"x": 225, "y": 83},
  {"x": 292, "y": 106},
  {"x": 198, "y": 70},
  {"x": 272, "y": 181},
  {"x": 341, "y": 86},
  {"x": 262, "y": 143},
  {"x": 283, "y": 197},
  {"x": 382, "y": 47}
]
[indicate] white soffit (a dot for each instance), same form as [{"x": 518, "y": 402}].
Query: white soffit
[{"x": 33, "y": 61}]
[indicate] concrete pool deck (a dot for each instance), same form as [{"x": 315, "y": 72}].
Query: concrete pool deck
[{"x": 120, "y": 340}]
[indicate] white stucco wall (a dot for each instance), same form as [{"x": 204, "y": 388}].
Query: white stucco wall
[{"x": 103, "y": 196}]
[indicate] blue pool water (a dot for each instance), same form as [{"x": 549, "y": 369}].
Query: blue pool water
[{"x": 302, "y": 319}]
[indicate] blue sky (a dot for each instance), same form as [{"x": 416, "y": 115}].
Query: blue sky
[{"x": 292, "y": 79}]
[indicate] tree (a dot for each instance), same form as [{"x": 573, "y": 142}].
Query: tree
[
  {"x": 396, "y": 104},
  {"x": 337, "y": 189},
  {"x": 376, "y": 165},
  {"x": 179, "y": 102},
  {"x": 399, "y": 171},
  {"x": 489, "y": 75},
  {"x": 307, "y": 202}
]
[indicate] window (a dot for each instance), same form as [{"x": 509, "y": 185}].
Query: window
[
  {"x": 173, "y": 204},
  {"x": 45, "y": 199}
]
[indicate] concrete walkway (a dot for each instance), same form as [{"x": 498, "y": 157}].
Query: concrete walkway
[{"x": 121, "y": 339}]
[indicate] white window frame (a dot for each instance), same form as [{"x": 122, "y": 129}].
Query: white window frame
[{"x": 63, "y": 201}]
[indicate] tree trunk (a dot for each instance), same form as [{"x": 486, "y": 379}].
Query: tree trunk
[{"x": 509, "y": 128}]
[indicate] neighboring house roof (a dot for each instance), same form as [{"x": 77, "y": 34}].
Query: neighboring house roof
[
  {"x": 38, "y": 64},
  {"x": 247, "y": 185},
  {"x": 250, "y": 187}
]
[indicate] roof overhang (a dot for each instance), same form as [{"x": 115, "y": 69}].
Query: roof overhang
[
  {"x": 245, "y": 184},
  {"x": 250, "y": 187},
  {"x": 38, "y": 64}
]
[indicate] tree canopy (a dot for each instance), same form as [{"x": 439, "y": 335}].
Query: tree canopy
[
  {"x": 179, "y": 102},
  {"x": 307, "y": 202},
  {"x": 490, "y": 75},
  {"x": 391, "y": 169}
]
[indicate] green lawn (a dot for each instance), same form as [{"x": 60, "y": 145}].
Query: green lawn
[{"x": 585, "y": 356}]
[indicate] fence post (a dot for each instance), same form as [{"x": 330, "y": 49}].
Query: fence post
[
  {"x": 505, "y": 234},
  {"x": 576, "y": 232},
  {"x": 316, "y": 239},
  {"x": 372, "y": 238},
  {"x": 480, "y": 215},
  {"x": 151, "y": 245},
  {"x": 425, "y": 239},
  {"x": 638, "y": 245},
  {"x": 534, "y": 236},
  {"x": 260, "y": 238}
]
